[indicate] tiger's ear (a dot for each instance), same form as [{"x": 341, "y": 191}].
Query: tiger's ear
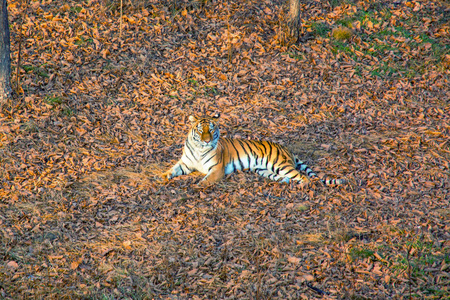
[
  {"x": 216, "y": 115},
  {"x": 192, "y": 119}
]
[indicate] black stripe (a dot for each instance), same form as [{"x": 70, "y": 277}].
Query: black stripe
[
  {"x": 254, "y": 144},
  {"x": 189, "y": 146},
  {"x": 265, "y": 151},
  {"x": 238, "y": 157},
  {"x": 310, "y": 173},
  {"x": 184, "y": 166},
  {"x": 216, "y": 134},
  {"x": 282, "y": 168},
  {"x": 292, "y": 170},
  {"x": 191, "y": 154},
  {"x": 213, "y": 166},
  {"x": 243, "y": 143},
  {"x": 276, "y": 160},
  {"x": 212, "y": 156},
  {"x": 302, "y": 166},
  {"x": 205, "y": 154},
  {"x": 189, "y": 158},
  {"x": 269, "y": 154}
]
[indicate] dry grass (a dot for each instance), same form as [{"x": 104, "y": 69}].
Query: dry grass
[{"x": 342, "y": 33}]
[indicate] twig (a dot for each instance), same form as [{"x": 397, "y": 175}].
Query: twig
[
  {"x": 317, "y": 290},
  {"x": 19, "y": 52},
  {"x": 18, "y": 61},
  {"x": 229, "y": 34},
  {"x": 121, "y": 15},
  {"x": 409, "y": 271}
]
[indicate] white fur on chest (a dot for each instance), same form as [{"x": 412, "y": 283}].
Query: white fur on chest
[{"x": 199, "y": 159}]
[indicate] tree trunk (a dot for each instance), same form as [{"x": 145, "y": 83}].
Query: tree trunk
[
  {"x": 5, "y": 59},
  {"x": 293, "y": 20}
]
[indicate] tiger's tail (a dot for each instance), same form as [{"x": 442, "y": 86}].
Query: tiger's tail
[{"x": 301, "y": 166}]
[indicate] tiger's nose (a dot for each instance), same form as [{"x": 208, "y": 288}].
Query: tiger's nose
[{"x": 206, "y": 137}]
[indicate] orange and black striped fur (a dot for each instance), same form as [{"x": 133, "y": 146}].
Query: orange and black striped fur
[{"x": 205, "y": 151}]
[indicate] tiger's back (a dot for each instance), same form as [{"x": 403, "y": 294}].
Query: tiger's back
[{"x": 205, "y": 151}]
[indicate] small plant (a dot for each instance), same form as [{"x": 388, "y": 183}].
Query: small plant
[
  {"x": 67, "y": 111},
  {"x": 210, "y": 90},
  {"x": 320, "y": 28},
  {"x": 193, "y": 82},
  {"x": 76, "y": 9},
  {"x": 295, "y": 55},
  {"x": 361, "y": 253},
  {"x": 81, "y": 41},
  {"x": 342, "y": 33},
  {"x": 53, "y": 100}
]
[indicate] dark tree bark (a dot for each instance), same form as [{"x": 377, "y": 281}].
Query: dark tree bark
[
  {"x": 293, "y": 20},
  {"x": 5, "y": 59}
]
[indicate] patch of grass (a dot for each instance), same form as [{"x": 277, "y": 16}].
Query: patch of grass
[
  {"x": 173, "y": 95},
  {"x": 38, "y": 70},
  {"x": 81, "y": 41},
  {"x": 210, "y": 90},
  {"x": 357, "y": 252},
  {"x": 295, "y": 55},
  {"x": 53, "y": 100},
  {"x": 193, "y": 82},
  {"x": 416, "y": 260},
  {"x": 399, "y": 50},
  {"x": 76, "y": 9},
  {"x": 347, "y": 22},
  {"x": 358, "y": 70},
  {"x": 340, "y": 46},
  {"x": 320, "y": 29},
  {"x": 419, "y": 260},
  {"x": 302, "y": 208},
  {"x": 67, "y": 111},
  {"x": 384, "y": 70},
  {"x": 336, "y": 3}
]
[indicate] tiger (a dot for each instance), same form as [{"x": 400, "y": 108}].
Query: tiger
[{"x": 209, "y": 153}]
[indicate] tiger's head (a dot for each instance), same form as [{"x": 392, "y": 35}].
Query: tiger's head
[{"x": 204, "y": 131}]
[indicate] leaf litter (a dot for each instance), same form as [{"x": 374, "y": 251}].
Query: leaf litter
[{"x": 102, "y": 111}]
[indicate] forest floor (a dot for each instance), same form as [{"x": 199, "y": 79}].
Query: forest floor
[{"x": 101, "y": 110}]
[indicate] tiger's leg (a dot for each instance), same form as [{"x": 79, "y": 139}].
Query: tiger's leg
[
  {"x": 180, "y": 168},
  {"x": 214, "y": 174},
  {"x": 265, "y": 173},
  {"x": 293, "y": 175},
  {"x": 287, "y": 175},
  {"x": 269, "y": 174}
]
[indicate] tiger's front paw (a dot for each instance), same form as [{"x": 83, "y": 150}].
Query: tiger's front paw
[{"x": 166, "y": 176}]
